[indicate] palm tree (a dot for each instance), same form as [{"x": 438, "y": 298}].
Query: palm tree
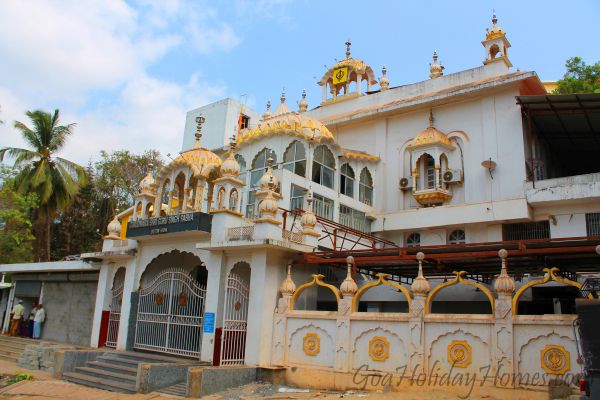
[{"x": 55, "y": 180}]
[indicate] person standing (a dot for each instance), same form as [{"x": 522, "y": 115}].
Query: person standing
[
  {"x": 30, "y": 321},
  {"x": 38, "y": 320},
  {"x": 15, "y": 323}
]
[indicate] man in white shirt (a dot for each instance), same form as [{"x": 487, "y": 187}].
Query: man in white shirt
[
  {"x": 38, "y": 320},
  {"x": 15, "y": 324}
]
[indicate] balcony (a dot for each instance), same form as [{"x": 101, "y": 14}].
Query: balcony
[
  {"x": 571, "y": 188},
  {"x": 176, "y": 223}
]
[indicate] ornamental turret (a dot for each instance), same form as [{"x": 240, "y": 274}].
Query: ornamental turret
[
  {"x": 303, "y": 104},
  {"x": 504, "y": 284},
  {"x": 420, "y": 286},
  {"x": 349, "y": 286},
  {"x": 384, "y": 82},
  {"x": 114, "y": 228},
  {"x": 436, "y": 69},
  {"x": 496, "y": 45}
]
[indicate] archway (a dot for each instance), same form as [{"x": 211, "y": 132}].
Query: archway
[
  {"x": 235, "y": 315},
  {"x": 171, "y": 305},
  {"x": 114, "y": 317}
]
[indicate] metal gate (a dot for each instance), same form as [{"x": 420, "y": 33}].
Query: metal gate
[
  {"x": 170, "y": 314},
  {"x": 235, "y": 321},
  {"x": 115, "y": 315}
]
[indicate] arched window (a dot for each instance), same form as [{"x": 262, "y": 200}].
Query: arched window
[
  {"x": 323, "y": 167},
  {"x": 221, "y": 199},
  {"x": 259, "y": 166},
  {"x": 413, "y": 240},
  {"x": 457, "y": 237},
  {"x": 294, "y": 158},
  {"x": 365, "y": 187},
  {"x": 242, "y": 162},
  {"x": 427, "y": 171},
  {"x": 233, "y": 200},
  {"x": 347, "y": 180}
]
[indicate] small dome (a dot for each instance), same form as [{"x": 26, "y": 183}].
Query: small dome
[
  {"x": 430, "y": 136},
  {"x": 202, "y": 160},
  {"x": 303, "y": 104},
  {"x": 495, "y": 31},
  {"x": 504, "y": 284},
  {"x": 308, "y": 221},
  {"x": 349, "y": 286},
  {"x": 269, "y": 206},
  {"x": 384, "y": 82},
  {"x": 147, "y": 183},
  {"x": 114, "y": 228},
  {"x": 231, "y": 166},
  {"x": 435, "y": 69},
  {"x": 288, "y": 287},
  {"x": 420, "y": 286},
  {"x": 268, "y": 178}
]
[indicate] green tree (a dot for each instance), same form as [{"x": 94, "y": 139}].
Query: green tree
[
  {"x": 55, "y": 180},
  {"x": 579, "y": 78},
  {"x": 16, "y": 237},
  {"x": 118, "y": 175}
]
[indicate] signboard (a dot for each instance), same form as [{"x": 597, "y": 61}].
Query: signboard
[
  {"x": 340, "y": 75},
  {"x": 209, "y": 322},
  {"x": 193, "y": 221}
]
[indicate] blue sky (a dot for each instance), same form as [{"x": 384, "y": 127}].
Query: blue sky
[{"x": 127, "y": 71}]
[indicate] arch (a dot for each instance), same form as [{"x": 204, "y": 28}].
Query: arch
[
  {"x": 221, "y": 198},
  {"x": 294, "y": 158},
  {"x": 413, "y": 240},
  {"x": 425, "y": 165},
  {"x": 233, "y": 199},
  {"x": 323, "y": 166},
  {"x": 494, "y": 50},
  {"x": 458, "y": 279},
  {"x": 551, "y": 275},
  {"x": 119, "y": 278},
  {"x": 149, "y": 210},
  {"x": 185, "y": 260},
  {"x": 347, "y": 178},
  {"x": 365, "y": 187},
  {"x": 382, "y": 280},
  {"x": 316, "y": 281},
  {"x": 457, "y": 236}
]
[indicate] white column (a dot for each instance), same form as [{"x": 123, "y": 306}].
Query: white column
[
  {"x": 99, "y": 305},
  {"x": 9, "y": 306},
  {"x": 126, "y": 311},
  {"x": 158, "y": 203},
  {"x": 324, "y": 92},
  {"x": 359, "y": 84},
  {"x": 213, "y": 288}
]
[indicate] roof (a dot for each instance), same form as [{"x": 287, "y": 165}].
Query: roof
[
  {"x": 570, "y": 125},
  {"x": 54, "y": 266}
]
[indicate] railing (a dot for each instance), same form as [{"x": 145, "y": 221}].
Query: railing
[
  {"x": 293, "y": 236},
  {"x": 240, "y": 233}
]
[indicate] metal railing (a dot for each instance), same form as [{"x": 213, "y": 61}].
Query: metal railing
[{"x": 241, "y": 232}]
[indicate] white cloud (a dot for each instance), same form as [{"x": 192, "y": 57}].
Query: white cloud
[{"x": 92, "y": 59}]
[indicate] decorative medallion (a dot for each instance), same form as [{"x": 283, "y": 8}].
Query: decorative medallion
[
  {"x": 237, "y": 305},
  {"x": 379, "y": 348},
  {"x": 159, "y": 298},
  {"x": 340, "y": 75},
  {"x": 311, "y": 344},
  {"x": 459, "y": 353},
  {"x": 556, "y": 360},
  {"x": 182, "y": 299}
]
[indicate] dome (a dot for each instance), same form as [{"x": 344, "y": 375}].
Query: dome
[
  {"x": 495, "y": 31},
  {"x": 285, "y": 122},
  {"x": 268, "y": 206},
  {"x": 288, "y": 287},
  {"x": 504, "y": 284},
  {"x": 308, "y": 221},
  {"x": 230, "y": 166},
  {"x": 114, "y": 228},
  {"x": 354, "y": 66},
  {"x": 430, "y": 136},
  {"x": 384, "y": 82},
  {"x": 420, "y": 286},
  {"x": 435, "y": 69},
  {"x": 268, "y": 180},
  {"x": 202, "y": 160},
  {"x": 147, "y": 183},
  {"x": 303, "y": 104},
  {"x": 349, "y": 286}
]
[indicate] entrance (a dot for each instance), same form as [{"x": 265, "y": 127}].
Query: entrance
[
  {"x": 114, "y": 317},
  {"x": 170, "y": 314},
  {"x": 235, "y": 315}
]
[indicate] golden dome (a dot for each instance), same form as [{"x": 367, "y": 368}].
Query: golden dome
[
  {"x": 384, "y": 82},
  {"x": 495, "y": 31},
  {"x": 420, "y": 286},
  {"x": 349, "y": 286},
  {"x": 114, "y": 228},
  {"x": 430, "y": 136},
  {"x": 230, "y": 166},
  {"x": 268, "y": 207},
  {"x": 354, "y": 67},
  {"x": 504, "y": 284},
  {"x": 288, "y": 287},
  {"x": 147, "y": 183},
  {"x": 268, "y": 180},
  {"x": 285, "y": 122},
  {"x": 308, "y": 221},
  {"x": 435, "y": 69},
  {"x": 202, "y": 160}
]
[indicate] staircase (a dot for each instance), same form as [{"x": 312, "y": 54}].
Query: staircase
[
  {"x": 114, "y": 371},
  {"x": 11, "y": 347}
]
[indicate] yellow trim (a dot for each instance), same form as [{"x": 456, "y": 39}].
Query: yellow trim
[
  {"x": 459, "y": 360},
  {"x": 227, "y": 211},
  {"x": 550, "y": 276},
  {"x": 554, "y": 366},
  {"x": 458, "y": 279},
  {"x": 315, "y": 281},
  {"x": 379, "y": 348},
  {"x": 311, "y": 344},
  {"x": 380, "y": 281}
]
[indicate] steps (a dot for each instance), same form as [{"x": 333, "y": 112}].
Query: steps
[
  {"x": 179, "y": 389},
  {"x": 12, "y": 347},
  {"x": 115, "y": 371}
]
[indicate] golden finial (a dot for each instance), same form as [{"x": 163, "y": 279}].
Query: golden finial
[
  {"x": 232, "y": 143},
  {"x": 283, "y": 95},
  {"x": 430, "y": 118},
  {"x": 435, "y": 56},
  {"x": 494, "y": 19},
  {"x": 309, "y": 200},
  {"x": 199, "y": 122},
  {"x": 303, "y": 104},
  {"x": 348, "y": 43}
]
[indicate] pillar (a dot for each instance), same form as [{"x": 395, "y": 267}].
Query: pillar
[
  {"x": 213, "y": 288},
  {"x": 324, "y": 92},
  {"x": 101, "y": 294},
  {"x": 126, "y": 311},
  {"x": 359, "y": 84},
  {"x": 437, "y": 176}
]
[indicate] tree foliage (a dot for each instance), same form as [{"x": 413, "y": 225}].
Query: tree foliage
[
  {"x": 16, "y": 236},
  {"x": 579, "y": 78}
]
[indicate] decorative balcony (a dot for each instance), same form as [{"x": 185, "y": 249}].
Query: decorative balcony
[{"x": 430, "y": 197}]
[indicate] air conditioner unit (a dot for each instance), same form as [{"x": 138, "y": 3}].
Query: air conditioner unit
[
  {"x": 452, "y": 176},
  {"x": 405, "y": 184}
]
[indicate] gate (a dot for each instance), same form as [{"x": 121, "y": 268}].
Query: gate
[
  {"x": 235, "y": 321},
  {"x": 170, "y": 314},
  {"x": 115, "y": 315}
]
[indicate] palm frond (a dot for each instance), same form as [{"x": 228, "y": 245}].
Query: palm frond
[
  {"x": 76, "y": 171},
  {"x": 59, "y": 136},
  {"x": 29, "y": 135},
  {"x": 19, "y": 156}
]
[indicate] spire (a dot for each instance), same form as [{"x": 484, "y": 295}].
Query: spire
[
  {"x": 384, "y": 83},
  {"x": 348, "y": 43},
  {"x": 282, "y": 95},
  {"x": 303, "y": 104},
  {"x": 435, "y": 69},
  {"x": 420, "y": 286},
  {"x": 283, "y": 108},
  {"x": 267, "y": 113},
  {"x": 431, "y": 118},
  {"x": 494, "y": 19}
]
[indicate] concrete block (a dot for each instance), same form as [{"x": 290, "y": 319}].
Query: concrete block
[
  {"x": 68, "y": 360},
  {"x": 157, "y": 376},
  {"x": 203, "y": 381}
]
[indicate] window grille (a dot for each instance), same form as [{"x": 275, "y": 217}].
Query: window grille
[
  {"x": 347, "y": 180},
  {"x": 322, "y": 206},
  {"x": 365, "y": 189},
  {"x": 593, "y": 224},
  {"x": 323, "y": 166},
  {"x": 297, "y": 197},
  {"x": 413, "y": 240},
  {"x": 526, "y": 231},
  {"x": 354, "y": 219},
  {"x": 457, "y": 237}
]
